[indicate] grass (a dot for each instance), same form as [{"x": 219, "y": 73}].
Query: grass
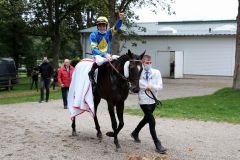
[
  {"x": 22, "y": 93},
  {"x": 222, "y": 106}
]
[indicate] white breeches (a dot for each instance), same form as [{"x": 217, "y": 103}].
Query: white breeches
[{"x": 100, "y": 60}]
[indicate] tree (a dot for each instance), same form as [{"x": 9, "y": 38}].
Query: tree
[
  {"x": 236, "y": 77},
  {"x": 61, "y": 21},
  {"x": 13, "y": 40},
  {"x": 50, "y": 15}
]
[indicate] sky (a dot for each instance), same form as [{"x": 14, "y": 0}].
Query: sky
[{"x": 192, "y": 10}]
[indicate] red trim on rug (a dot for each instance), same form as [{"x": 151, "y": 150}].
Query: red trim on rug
[
  {"x": 88, "y": 106},
  {"x": 88, "y": 60}
]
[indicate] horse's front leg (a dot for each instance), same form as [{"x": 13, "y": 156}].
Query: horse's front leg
[
  {"x": 74, "y": 133},
  {"x": 114, "y": 126},
  {"x": 99, "y": 133},
  {"x": 120, "y": 110}
]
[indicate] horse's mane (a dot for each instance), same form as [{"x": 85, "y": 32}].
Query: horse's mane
[{"x": 123, "y": 58}]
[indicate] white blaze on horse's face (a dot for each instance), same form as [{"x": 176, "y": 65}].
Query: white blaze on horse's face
[
  {"x": 126, "y": 69},
  {"x": 139, "y": 68}
]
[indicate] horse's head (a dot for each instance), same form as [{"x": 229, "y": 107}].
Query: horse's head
[{"x": 133, "y": 69}]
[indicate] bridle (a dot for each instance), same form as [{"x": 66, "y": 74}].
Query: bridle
[{"x": 120, "y": 74}]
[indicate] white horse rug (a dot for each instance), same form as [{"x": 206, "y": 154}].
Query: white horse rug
[{"x": 80, "y": 97}]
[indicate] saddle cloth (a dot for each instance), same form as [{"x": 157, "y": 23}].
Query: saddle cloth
[{"x": 80, "y": 97}]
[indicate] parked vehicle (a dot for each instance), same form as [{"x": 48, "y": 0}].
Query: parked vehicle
[{"x": 8, "y": 73}]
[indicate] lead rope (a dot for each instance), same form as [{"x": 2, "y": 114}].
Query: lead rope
[{"x": 153, "y": 97}]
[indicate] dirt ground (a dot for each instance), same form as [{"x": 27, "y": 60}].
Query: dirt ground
[{"x": 43, "y": 131}]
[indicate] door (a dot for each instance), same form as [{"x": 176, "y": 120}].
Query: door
[
  {"x": 178, "y": 69},
  {"x": 162, "y": 62}
]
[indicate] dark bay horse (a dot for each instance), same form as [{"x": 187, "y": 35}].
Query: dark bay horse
[{"x": 114, "y": 88}]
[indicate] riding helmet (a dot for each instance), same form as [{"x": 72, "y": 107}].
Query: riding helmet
[{"x": 102, "y": 20}]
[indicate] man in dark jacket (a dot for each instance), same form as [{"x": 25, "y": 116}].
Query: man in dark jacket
[{"x": 46, "y": 71}]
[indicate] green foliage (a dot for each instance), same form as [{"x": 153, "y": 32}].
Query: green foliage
[
  {"x": 41, "y": 47},
  {"x": 13, "y": 40},
  {"x": 220, "y": 106},
  {"x": 75, "y": 61},
  {"x": 61, "y": 21},
  {"x": 70, "y": 49}
]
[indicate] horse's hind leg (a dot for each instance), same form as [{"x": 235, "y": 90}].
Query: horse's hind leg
[
  {"x": 74, "y": 133},
  {"x": 99, "y": 133}
]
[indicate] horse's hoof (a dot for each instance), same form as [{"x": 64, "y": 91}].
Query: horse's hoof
[
  {"x": 74, "y": 134},
  {"x": 110, "y": 134},
  {"x": 99, "y": 135}
]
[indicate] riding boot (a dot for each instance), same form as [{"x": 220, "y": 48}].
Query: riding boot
[
  {"x": 91, "y": 75},
  {"x": 159, "y": 148}
]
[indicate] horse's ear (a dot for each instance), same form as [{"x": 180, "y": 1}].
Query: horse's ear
[
  {"x": 141, "y": 56},
  {"x": 130, "y": 54}
]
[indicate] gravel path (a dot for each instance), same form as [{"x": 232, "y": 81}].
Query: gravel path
[{"x": 42, "y": 131}]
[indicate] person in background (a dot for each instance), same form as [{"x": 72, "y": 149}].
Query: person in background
[
  {"x": 46, "y": 71},
  {"x": 64, "y": 79},
  {"x": 150, "y": 80},
  {"x": 55, "y": 78},
  {"x": 172, "y": 68},
  {"x": 34, "y": 76}
]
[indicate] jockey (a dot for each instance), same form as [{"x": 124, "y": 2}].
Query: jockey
[{"x": 100, "y": 41}]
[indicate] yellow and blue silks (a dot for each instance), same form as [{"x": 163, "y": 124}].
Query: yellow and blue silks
[{"x": 101, "y": 42}]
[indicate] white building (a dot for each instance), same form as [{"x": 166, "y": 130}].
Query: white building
[{"x": 197, "y": 47}]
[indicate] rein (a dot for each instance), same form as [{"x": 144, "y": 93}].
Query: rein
[
  {"x": 122, "y": 76},
  {"x": 153, "y": 97}
]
